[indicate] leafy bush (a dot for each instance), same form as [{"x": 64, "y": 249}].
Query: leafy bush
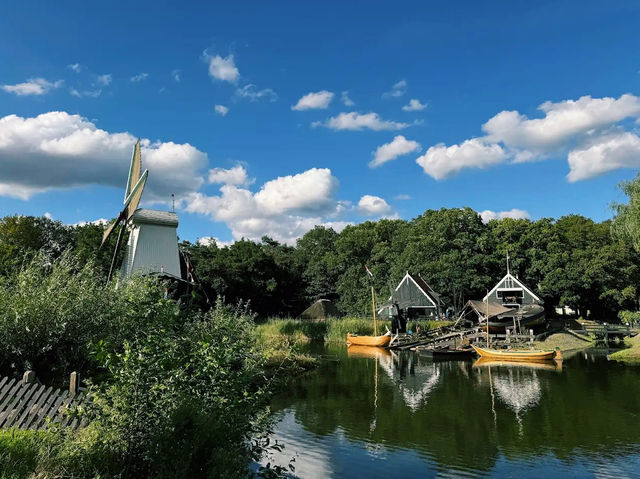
[{"x": 631, "y": 317}]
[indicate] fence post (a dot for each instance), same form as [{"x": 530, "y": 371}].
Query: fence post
[
  {"x": 73, "y": 383},
  {"x": 531, "y": 335},
  {"x": 29, "y": 377},
  {"x": 508, "y": 336}
]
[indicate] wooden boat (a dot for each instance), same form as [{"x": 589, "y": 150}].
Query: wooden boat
[
  {"x": 515, "y": 354},
  {"x": 446, "y": 353},
  {"x": 369, "y": 352},
  {"x": 548, "y": 365},
  {"x": 380, "y": 341},
  {"x": 528, "y": 317}
]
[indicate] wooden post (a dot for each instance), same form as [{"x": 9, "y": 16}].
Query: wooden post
[
  {"x": 531, "y": 335},
  {"x": 373, "y": 302},
  {"x": 29, "y": 377},
  {"x": 508, "y": 336},
  {"x": 73, "y": 383}
]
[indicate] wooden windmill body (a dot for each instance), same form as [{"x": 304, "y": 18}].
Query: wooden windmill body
[{"x": 152, "y": 247}]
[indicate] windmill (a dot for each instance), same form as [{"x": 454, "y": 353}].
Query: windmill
[{"x": 152, "y": 247}]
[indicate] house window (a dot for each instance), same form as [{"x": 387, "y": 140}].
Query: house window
[{"x": 510, "y": 296}]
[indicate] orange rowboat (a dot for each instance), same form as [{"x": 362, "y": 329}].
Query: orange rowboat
[
  {"x": 380, "y": 341},
  {"x": 514, "y": 355}
]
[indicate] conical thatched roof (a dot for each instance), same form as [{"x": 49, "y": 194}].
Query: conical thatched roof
[{"x": 321, "y": 309}]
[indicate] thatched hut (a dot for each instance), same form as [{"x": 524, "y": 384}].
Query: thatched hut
[{"x": 321, "y": 309}]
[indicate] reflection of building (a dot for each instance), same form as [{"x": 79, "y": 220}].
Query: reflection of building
[
  {"x": 415, "y": 297},
  {"x": 415, "y": 381}
]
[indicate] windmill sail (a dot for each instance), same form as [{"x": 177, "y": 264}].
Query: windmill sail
[
  {"x": 134, "y": 171},
  {"x": 136, "y": 193}
]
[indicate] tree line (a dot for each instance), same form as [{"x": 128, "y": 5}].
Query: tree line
[{"x": 571, "y": 261}]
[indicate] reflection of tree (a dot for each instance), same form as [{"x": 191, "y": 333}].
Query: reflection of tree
[{"x": 585, "y": 409}]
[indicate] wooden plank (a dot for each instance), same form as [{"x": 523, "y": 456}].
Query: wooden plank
[
  {"x": 20, "y": 399},
  {"x": 52, "y": 413},
  {"x": 31, "y": 410},
  {"x": 68, "y": 420},
  {"x": 60, "y": 416},
  {"x": 5, "y": 390},
  {"x": 39, "y": 420},
  {"x": 4, "y": 411}
]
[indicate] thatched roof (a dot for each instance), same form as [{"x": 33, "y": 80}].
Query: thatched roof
[
  {"x": 321, "y": 309},
  {"x": 480, "y": 308}
]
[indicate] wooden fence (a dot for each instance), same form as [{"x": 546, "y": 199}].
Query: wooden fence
[{"x": 26, "y": 404}]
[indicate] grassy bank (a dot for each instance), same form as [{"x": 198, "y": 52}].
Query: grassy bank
[
  {"x": 562, "y": 341},
  {"x": 631, "y": 355},
  {"x": 295, "y": 332}
]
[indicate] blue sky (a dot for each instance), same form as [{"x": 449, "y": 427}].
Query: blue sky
[{"x": 79, "y": 82}]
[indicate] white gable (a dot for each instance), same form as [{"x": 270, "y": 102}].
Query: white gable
[{"x": 514, "y": 280}]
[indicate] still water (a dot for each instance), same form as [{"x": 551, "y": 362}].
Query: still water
[{"x": 374, "y": 413}]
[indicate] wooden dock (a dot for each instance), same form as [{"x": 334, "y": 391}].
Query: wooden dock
[{"x": 26, "y": 404}]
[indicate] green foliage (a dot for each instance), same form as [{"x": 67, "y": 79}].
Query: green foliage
[{"x": 631, "y": 317}]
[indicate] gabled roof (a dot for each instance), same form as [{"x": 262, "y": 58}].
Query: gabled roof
[
  {"x": 516, "y": 281},
  {"x": 422, "y": 285}
]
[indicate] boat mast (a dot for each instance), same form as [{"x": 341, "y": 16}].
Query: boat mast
[
  {"x": 373, "y": 303},
  {"x": 487, "y": 318}
]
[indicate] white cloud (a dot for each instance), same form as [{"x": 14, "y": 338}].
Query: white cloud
[
  {"x": 95, "y": 93},
  {"x": 99, "y": 222},
  {"x": 390, "y": 151},
  {"x": 231, "y": 176},
  {"x": 402, "y": 197},
  {"x": 33, "y": 86},
  {"x": 373, "y": 206},
  {"x": 346, "y": 101},
  {"x": 398, "y": 89},
  {"x": 284, "y": 208},
  {"x": 252, "y": 93},
  {"x": 488, "y": 215},
  {"x": 223, "y": 69},
  {"x": 57, "y": 150},
  {"x": 140, "y": 77},
  {"x": 48, "y": 215},
  {"x": 414, "y": 105},
  {"x": 441, "y": 161},
  {"x": 176, "y": 74},
  {"x": 209, "y": 240},
  {"x": 314, "y": 100},
  {"x": 606, "y": 153},
  {"x": 356, "y": 121},
  {"x": 221, "y": 110},
  {"x": 104, "y": 80},
  {"x": 76, "y": 67}
]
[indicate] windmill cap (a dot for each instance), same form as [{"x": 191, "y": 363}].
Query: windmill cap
[{"x": 155, "y": 217}]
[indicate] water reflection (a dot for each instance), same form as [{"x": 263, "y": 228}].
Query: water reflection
[{"x": 383, "y": 411}]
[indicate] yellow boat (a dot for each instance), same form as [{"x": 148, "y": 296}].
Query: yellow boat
[
  {"x": 380, "y": 341},
  {"x": 515, "y": 354},
  {"x": 369, "y": 352},
  {"x": 549, "y": 365}
]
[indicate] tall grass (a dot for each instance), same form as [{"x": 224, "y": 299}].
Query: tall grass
[{"x": 295, "y": 331}]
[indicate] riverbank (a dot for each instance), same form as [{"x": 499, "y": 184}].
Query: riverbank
[
  {"x": 564, "y": 342},
  {"x": 630, "y": 355},
  {"x": 294, "y": 332}
]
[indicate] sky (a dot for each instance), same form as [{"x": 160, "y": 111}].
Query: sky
[{"x": 268, "y": 118}]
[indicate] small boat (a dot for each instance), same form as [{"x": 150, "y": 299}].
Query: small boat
[
  {"x": 548, "y": 365},
  {"x": 515, "y": 354},
  {"x": 447, "y": 353},
  {"x": 369, "y": 352},
  {"x": 380, "y": 341}
]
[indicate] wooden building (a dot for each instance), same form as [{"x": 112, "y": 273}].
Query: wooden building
[
  {"x": 415, "y": 298},
  {"x": 510, "y": 292}
]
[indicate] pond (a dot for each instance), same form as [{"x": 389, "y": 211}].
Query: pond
[{"x": 375, "y": 413}]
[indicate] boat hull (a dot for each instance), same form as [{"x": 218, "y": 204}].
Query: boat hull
[
  {"x": 514, "y": 355},
  {"x": 532, "y": 316},
  {"x": 379, "y": 341}
]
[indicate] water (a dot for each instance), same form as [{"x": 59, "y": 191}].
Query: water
[{"x": 374, "y": 413}]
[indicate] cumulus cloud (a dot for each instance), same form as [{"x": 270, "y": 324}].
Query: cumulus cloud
[
  {"x": 33, "y": 86},
  {"x": 229, "y": 176},
  {"x": 315, "y": 100},
  {"x": 139, "y": 77},
  {"x": 346, "y": 101},
  {"x": 441, "y": 161},
  {"x": 209, "y": 240},
  {"x": 57, "y": 150},
  {"x": 356, "y": 121},
  {"x": 589, "y": 132},
  {"x": 252, "y": 93},
  {"x": 488, "y": 215},
  {"x": 221, "y": 110},
  {"x": 223, "y": 69},
  {"x": 604, "y": 153},
  {"x": 390, "y": 151},
  {"x": 284, "y": 208},
  {"x": 398, "y": 89},
  {"x": 414, "y": 105},
  {"x": 370, "y": 205}
]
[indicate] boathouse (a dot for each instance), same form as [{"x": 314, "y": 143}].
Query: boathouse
[
  {"x": 510, "y": 292},
  {"x": 415, "y": 298}
]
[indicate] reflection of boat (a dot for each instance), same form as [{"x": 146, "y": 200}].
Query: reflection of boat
[
  {"x": 515, "y": 354},
  {"x": 379, "y": 341},
  {"x": 548, "y": 365},
  {"x": 369, "y": 352}
]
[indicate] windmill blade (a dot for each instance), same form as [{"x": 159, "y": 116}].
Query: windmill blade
[
  {"x": 112, "y": 227},
  {"x": 131, "y": 203},
  {"x": 134, "y": 171}
]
